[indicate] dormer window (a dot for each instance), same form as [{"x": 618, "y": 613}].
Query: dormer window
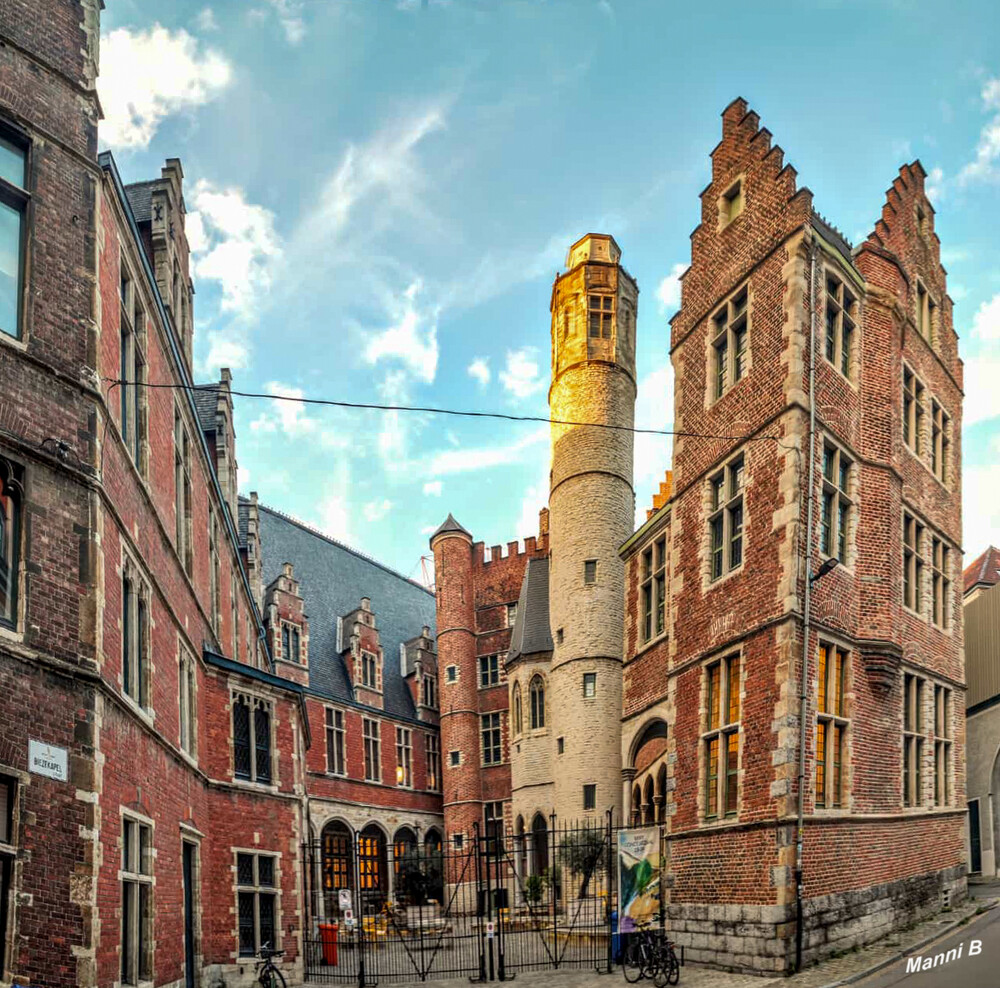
[
  {"x": 429, "y": 692},
  {"x": 925, "y": 313},
  {"x": 369, "y": 670}
]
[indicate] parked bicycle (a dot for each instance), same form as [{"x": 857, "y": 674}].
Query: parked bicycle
[
  {"x": 268, "y": 976},
  {"x": 650, "y": 954}
]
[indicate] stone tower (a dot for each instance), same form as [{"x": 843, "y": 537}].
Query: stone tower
[{"x": 591, "y": 512}]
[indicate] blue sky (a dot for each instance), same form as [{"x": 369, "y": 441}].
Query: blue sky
[{"x": 380, "y": 194}]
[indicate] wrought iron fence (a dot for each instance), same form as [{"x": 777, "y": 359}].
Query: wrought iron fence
[{"x": 484, "y": 908}]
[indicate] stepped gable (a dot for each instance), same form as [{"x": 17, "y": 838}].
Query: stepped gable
[
  {"x": 332, "y": 579},
  {"x": 773, "y": 207}
]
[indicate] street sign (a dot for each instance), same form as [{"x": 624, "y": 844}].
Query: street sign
[
  {"x": 490, "y": 930},
  {"x": 345, "y": 899},
  {"x": 46, "y": 759}
]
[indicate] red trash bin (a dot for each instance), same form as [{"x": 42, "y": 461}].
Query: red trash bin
[{"x": 328, "y": 937}]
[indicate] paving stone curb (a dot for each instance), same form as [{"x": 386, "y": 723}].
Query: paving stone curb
[{"x": 910, "y": 948}]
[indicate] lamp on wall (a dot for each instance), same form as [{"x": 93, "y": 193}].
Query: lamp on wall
[{"x": 399, "y": 775}]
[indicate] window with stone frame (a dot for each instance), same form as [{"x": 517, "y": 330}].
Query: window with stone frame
[
  {"x": 589, "y": 685},
  {"x": 432, "y": 749},
  {"x": 913, "y": 411},
  {"x": 234, "y": 623},
  {"x": 493, "y": 821},
  {"x": 511, "y": 614},
  {"x": 369, "y": 670},
  {"x": 943, "y": 790},
  {"x": 926, "y": 314},
  {"x": 256, "y": 902},
  {"x": 489, "y": 670},
  {"x": 721, "y": 739},
  {"x": 132, "y": 369},
  {"x": 653, "y": 590},
  {"x": 730, "y": 328},
  {"x": 590, "y": 571},
  {"x": 14, "y": 201},
  {"x": 404, "y": 758},
  {"x": 137, "y": 901},
  {"x": 731, "y": 203},
  {"x": 913, "y": 563},
  {"x": 589, "y": 797},
  {"x": 184, "y": 502},
  {"x": 725, "y": 522},
  {"x": 451, "y": 674},
  {"x": 940, "y": 583},
  {"x": 428, "y": 692},
  {"x": 214, "y": 565},
  {"x": 536, "y": 697},
  {"x": 135, "y": 635},
  {"x": 913, "y": 739},
  {"x": 336, "y": 758},
  {"x": 251, "y": 738},
  {"x": 940, "y": 442},
  {"x": 454, "y": 758},
  {"x": 600, "y": 314},
  {"x": 371, "y": 733},
  {"x": 831, "y": 726},
  {"x": 8, "y": 856},
  {"x": 491, "y": 738},
  {"x": 516, "y": 707},
  {"x": 188, "y": 702},
  {"x": 11, "y": 505},
  {"x": 841, "y": 321},
  {"x": 837, "y": 506}
]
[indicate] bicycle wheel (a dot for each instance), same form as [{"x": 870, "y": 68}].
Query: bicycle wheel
[
  {"x": 632, "y": 960},
  {"x": 272, "y": 978},
  {"x": 673, "y": 967}
]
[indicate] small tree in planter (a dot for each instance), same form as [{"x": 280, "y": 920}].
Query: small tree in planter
[
  {"x": 534, "y": 890},
  {"x": 582, "y": 851},
  {"x": 418, "y": 883}
]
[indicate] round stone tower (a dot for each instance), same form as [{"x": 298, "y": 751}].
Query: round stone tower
[{"x": 591, "y": 513}]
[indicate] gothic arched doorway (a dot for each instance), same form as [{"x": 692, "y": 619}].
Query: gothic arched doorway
[{"x": 338, "y": 863}]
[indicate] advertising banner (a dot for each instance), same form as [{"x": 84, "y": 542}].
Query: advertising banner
[{"x": 638, "y": 878}]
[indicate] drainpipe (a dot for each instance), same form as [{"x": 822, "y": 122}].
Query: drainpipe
[{"x": 803, "y": 691}]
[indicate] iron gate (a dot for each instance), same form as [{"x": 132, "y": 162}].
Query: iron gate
[{"x": 482, "y": 907}]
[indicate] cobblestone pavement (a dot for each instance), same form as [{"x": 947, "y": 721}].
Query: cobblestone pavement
[{"x": 837, "y": 970}]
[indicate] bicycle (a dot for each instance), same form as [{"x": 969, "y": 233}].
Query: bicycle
[
  {"x": 268, "y": 976},
  {"x": 650, "y": 954}
]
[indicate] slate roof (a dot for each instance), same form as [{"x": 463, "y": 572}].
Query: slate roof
[
  {"x": 242, "y": 520},
  {"x": 332, "y": 579},
  {"x": 140, "y": 198},
  {"x": 450, "y": 525},
  {"x": 531, "y": 632},
  {"x": 206, "y": 401},
  {"x": 831, "y": 233},
  {"x": 984, "y": 570}
]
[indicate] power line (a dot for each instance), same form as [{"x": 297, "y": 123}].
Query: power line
[{"x": 433, "y": 410}]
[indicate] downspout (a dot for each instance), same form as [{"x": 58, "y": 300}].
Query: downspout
[{"x": 804, "y": 686}]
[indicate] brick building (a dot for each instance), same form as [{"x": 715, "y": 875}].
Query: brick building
[
  {"x": 726, "y": 597},
  {"x": 170, "y": 705}
]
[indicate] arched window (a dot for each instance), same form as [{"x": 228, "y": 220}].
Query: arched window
[
  {"x": 647, "y": 807},
  {"x": 636, "y": 805},
  {"x": 338, "y": 861},
  {"x": 371, "y": 862},
  {"x": 517, "y": 708},
  {"x": 10, "y": 541},
  {"x": 536, "y": 689},
  {"x": 539, "y": 845},
  {"x": 432, "y": 841},
  {"x": 661, "y": 794}
]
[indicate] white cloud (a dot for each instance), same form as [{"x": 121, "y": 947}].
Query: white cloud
[
  {"x": 205, "y": 20},
  {"x": 522, "y": 376},
  {"x": 982, "y": 397},
  {"x": 981, "y": 506},
  {"x": 148, "y": 75},
  {"x": 535, "y": 497},
  {"x": 669, "y": 290},
  {"x": 234, "y": 243},
  {"x": 479, "y": 370},
  {"x": 242, "y": 477},
  {"x": 984, "y": 166},
  {"x": 934, "y": 185},
  {"x": 377, "y": 510},
  {"x": 335, "y": 517},
  {"x": 412, "y": 340},
  {"x": 286, "y": 416},
  {"x": 225, "y": 351},
  {"x": 433, "y": 488},
  {"x": 480, "y": 458},
  {"x": 654, "y": 408},
  {"x": 986, "y": 321},
  {"x": 289, "y": 14}
]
